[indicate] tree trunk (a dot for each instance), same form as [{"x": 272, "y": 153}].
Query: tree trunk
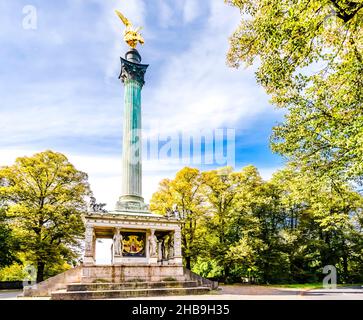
[
  {"x": 40, "y": 271},
  {"x": 345, "y": 263},
  {"x": 187, "y": 262},
  {"x": 226, "y": 274}
]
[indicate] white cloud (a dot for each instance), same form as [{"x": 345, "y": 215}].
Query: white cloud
[
  {"x": 104, "y": 173},
  {"x": 196, "y": 89},
  {"x": 267, "y": 172},
  {"x": 41, "y": 118},
  {"x": 44, "y": 106},
  {"x": 191, "y": 10},
  {"x": 165, "y": 14},
  {"x": 197, "y": 85}
]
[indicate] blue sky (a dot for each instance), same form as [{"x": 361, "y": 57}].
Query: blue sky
[{"x": 59, "y": 86}]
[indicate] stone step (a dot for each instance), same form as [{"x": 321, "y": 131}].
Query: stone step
[
  {"x": 119, "y": 279},
  {"x": 133, "y": 293},
  {"x": 130, "y": 285}
]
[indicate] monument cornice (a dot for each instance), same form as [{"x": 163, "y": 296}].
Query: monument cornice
[{"x": 108, "y": 217}]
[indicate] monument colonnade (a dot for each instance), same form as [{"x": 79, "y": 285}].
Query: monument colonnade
[{"x": 136, "y": 240}]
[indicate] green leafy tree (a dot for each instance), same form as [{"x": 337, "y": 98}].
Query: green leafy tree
[
  {"x": 14, "y": 272},
  {"x": 325, "y": 229},
  {"x": 259, "y": 220},
  {"x": 45, "y": 195},
  {"x": 282, "y": 230},
  {"x": 220, "y": 192},
  {"x": 310, "y": 60},
  {"x": 243, "y": 252},
  {"x": 183, "y": 195},
  {"x": 8, "y": 244}
]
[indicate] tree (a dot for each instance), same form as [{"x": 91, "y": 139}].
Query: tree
[
  {"x": 8, "y": 244},
  {"x": 162, "y": 201},
  {"x": 220, "y": 191},
  {"x": 183, "y": 194},
  {"x": 310, "y": 55},
  {"x": 325, "y": 228},
  {"x": 45, "y": 195},
  {"x": 14, "y": 272},
  {"x": 286, "y": 229},
  {"x": 259, "y": 219}
]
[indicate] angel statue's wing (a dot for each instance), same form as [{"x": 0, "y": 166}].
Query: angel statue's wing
[
  {"x": 138, "y": 29},
  {"x": 126, "y": 22}
]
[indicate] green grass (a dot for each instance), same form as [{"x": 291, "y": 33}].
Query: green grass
[
  {"x": 317, "y": 285},
  {"x": 308, "y": 286},
  {"x": 350, "y": 285}
]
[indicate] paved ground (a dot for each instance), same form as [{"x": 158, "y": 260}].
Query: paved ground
[
  {"x": 243, "y": 292},
  {"x": 255, "y": 290},
  {"x": 9, "y": 294},
  {"x": 239, "y": 292}
]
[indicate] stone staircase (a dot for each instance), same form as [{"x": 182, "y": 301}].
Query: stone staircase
[
  {"x": 90, "y": 291},
  {"x": 117, "y": 282}
]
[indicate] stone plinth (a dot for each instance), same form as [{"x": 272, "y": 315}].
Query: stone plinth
[{"x": 129, "y": 273}]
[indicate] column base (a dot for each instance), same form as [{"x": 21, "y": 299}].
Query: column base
[
  {"x": 117, "y": 260},
  {"x": 131, "y": 202},
  {"x": 89, "y": 261},
  {"x": 176, "y": 261},
  {"x": 153, "y": 261}
]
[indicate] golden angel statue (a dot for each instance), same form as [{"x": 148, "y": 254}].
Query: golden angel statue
[{"x": 132, "y": 35}]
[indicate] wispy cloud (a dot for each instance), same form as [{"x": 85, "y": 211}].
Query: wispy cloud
[
  {"x": 191, "y": 10},
  {"x": 59, "y": 88}
]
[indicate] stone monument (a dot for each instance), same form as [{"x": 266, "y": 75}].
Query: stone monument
[
  {"x": 140, "y": 238},
  {"x": 146, "y": 247}
]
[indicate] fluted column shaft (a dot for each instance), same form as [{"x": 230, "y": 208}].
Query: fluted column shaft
[
  {"x": 131, "y": 155},
  {"x": 132, "y": 76}
]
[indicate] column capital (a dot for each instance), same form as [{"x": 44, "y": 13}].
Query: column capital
[{"x": 132, "y": 71}]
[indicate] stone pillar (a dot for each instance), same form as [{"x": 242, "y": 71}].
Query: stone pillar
[
  {"x": 177, "y": 259},
  {"x": 132, "y": 76},
  {"x": 90, "y": 247}
]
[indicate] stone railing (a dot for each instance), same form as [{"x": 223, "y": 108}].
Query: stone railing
[
  {"x": 60, "y": 281},
  {"x": 201, "y": 281}
]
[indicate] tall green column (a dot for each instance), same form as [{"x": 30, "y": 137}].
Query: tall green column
[{"x": 132, "y": 76}]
